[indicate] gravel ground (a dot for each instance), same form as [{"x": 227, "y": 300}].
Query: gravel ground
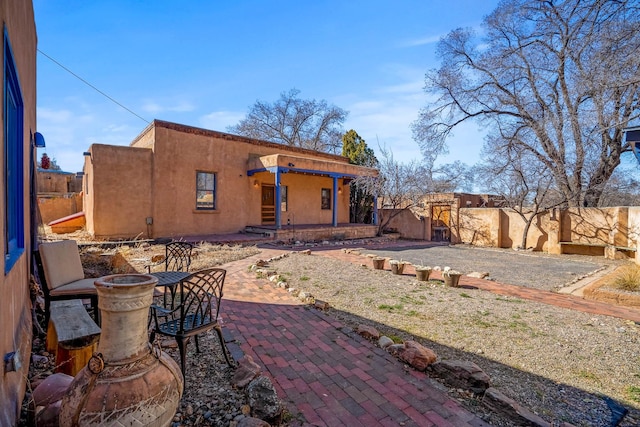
[
  {"x": 523, "y": 268},
  {"x": 557, "y": 362}
]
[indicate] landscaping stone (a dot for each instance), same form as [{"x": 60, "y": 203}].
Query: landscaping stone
[
  {"x": 368, "y": 332},
  {"x": 246, "y": 371},
  {"x": 417, "y": 355},
  {"x": 321, "y": 305},
  {"x": 252, "y": 422},
  {"x": 462, "y": 374},
  {"x": 478, "y": 275},
  {"x": 385, "y": 342},
  {"x": 498, "y": 402},
  {"x": 263, "y": 399},
  {"x": 49, "y": 394}
]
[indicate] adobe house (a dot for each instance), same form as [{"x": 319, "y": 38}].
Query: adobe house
[
  {"x": 179, "y": 181},
  {"x": 19, "y": 139}
]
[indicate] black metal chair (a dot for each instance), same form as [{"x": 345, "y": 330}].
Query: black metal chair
[
  {"x": 177, "y": 257},
  {"x": 198, "y": 306}
]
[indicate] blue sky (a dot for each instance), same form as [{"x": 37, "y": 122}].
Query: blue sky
[{"x": 204, "y": 63}]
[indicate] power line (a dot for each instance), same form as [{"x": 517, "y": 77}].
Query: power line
[{"x": 93, "y": 87}]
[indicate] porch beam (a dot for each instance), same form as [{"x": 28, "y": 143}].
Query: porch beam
[{"x": 272, "y": 169}]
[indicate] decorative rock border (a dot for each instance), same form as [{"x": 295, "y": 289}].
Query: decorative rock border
[
  {"x": 458, "y": 374},
  {"x": 261, "y": 268}
]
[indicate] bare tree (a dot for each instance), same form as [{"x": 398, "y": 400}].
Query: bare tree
[
  {"x": 296, "y": 122},
  {"x": 623, "y": 189},
  {"x": 522, "y": 183},
  {"x": 559, "y": 79},
  {"x": 399, "y": 186}
]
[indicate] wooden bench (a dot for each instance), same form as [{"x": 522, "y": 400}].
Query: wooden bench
[{"x": 72, "y": 335}]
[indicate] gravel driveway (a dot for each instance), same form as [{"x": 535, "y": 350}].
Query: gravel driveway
[{"x": 530, "y": 269}]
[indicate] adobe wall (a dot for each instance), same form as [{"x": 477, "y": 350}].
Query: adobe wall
[
  {"x": 15, "y": 305},
  {"x": 119, "y": 207},
  {"x": 408, "y": 223},
  {"x": 590, "y": 229},
  {"x": 53, "y": 182},
  {"x": 52, "y": 208},
  {"x": 480, "y": 227}
]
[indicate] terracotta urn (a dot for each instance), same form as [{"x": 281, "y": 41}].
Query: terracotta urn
[{"x": 127, "y": 382}]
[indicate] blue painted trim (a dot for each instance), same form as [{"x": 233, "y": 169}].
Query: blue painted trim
[
  {"x": 273, "y": 169},
  {"x": 375, "y": 210},
  {"x": 334, "y": 216},
  {"x": 278, "y": 199},
  {"x": 14, "y": 226}
]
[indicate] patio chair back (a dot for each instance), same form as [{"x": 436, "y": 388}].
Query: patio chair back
[
  {"x": 61, "y": 262},
  {"x": 178, "y": 256},
  {"x": 62, "y": 276},
  {"x": 199, "y": 297}
]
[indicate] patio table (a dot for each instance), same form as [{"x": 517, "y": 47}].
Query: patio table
[{"x": 169, "y": 279}]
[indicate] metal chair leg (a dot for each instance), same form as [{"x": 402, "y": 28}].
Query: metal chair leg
[
  {"x": 224, "y": 347},
  {"x": 182, "y": 346}
]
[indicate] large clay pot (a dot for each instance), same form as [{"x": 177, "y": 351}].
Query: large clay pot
[{"x": 126, "y": 382}]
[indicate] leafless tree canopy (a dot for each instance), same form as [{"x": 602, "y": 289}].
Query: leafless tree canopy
[
  {"x": 559, "y": 79},
  {"x": 522, "y": 183},
  {"x": 296, "y": 122}
]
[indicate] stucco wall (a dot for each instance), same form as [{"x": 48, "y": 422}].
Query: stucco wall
[
  {"x": 52, "y": 208},
  {"x": 15, "y": 305},
  {"x": 408, "y": 223},
  {"x": 480, "y": 226},
  {"x": 53, "y": 182},
  {"x": 588, "y": 225},
  {"x": 500, "y": 227},
  {"x": 121, "y": 196}
]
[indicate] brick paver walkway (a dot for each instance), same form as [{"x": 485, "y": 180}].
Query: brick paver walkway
[{"x": 333, "y": 377}]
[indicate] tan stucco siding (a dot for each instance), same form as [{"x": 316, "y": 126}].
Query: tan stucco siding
[
  {"x": 15, "y": 305},
  {"x": 179, "y": 155},
  {"x": 121, "y": 195}
]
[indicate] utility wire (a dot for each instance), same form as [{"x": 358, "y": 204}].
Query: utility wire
[{"x": 93, "y": 87}]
